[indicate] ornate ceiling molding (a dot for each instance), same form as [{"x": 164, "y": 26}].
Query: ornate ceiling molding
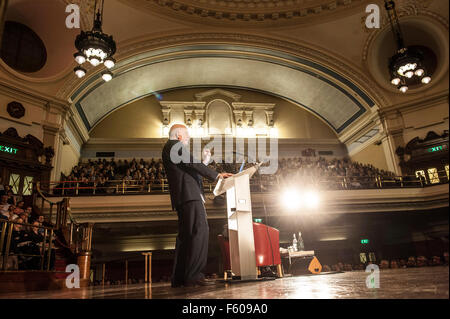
[
  {"x": 255, "y": 13},
  {"x": 127, "y": 53}
]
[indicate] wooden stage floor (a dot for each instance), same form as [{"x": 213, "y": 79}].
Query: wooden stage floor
[{"x": 426, "y": 282}]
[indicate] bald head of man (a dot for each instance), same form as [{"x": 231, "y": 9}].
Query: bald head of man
[{"x": 179, "y": 132}]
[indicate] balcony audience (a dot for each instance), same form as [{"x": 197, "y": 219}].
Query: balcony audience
[
  {"x": 11, "y": 213},
  {"x": 4, "y": 206},
  {"x": 149, "y": 175}
]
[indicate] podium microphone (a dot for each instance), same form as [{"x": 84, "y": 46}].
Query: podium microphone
[
  {"x": 248, "y": 158},
  {"x": 237, "y": 153}
]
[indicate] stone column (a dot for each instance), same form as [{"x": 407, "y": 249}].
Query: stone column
[
  {"x": 84, "y": 263},
  {"x": 148, "y": 267},
  {"x": 392, "y": 138}
]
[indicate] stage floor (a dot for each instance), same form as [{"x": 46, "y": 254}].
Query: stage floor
[{"x": 427, "y": 282}]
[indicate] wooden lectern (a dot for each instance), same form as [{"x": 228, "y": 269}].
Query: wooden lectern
[{"x": 240, "y": 222}]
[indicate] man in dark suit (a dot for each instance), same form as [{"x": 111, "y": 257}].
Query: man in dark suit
[{"x": 185, "y": 174}]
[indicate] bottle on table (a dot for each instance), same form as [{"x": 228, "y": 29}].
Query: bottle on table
[
  {"x": 294, "y": 243},
  {"x": 300, "y": 243}
]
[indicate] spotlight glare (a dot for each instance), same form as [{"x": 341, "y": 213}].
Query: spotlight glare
[
  {"x": 291, "y": 199},
  {"x": 312, "y": 199}
]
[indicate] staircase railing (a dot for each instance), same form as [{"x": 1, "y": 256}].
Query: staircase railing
[{"x": 77, "y": 236}]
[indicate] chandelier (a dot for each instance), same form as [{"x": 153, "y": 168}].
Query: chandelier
[
  {"x": 95, "y": 47},
  {"x": 407, "y": 64}
]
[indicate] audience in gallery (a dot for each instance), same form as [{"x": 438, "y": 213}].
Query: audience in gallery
[
  {"x": 411, "y": 262},
  {"x": 143, "y": 176},
  {"x": 419, "y": 261},
  {"x": 26, "y": 243},
  {"x": 105, "y": 174},
  {"x": 27, "y": 232}
]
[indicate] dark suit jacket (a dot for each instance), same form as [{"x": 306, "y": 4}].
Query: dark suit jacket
[{"x": 185, "y": 179}]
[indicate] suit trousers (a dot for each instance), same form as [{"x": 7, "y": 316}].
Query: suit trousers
[{"x": 191, "y": 251}]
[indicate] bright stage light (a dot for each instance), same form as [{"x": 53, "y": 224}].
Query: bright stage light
[
  {"x": 291, "y": 199},
  {"x": 312, "y": 199},
  {"x": 294, "y": 199}
]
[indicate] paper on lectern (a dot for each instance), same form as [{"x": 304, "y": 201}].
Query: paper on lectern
[{"x": 224, "y": 184}]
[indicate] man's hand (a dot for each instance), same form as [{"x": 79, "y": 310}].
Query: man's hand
[
  {"x": 206, "y": 156},
  {"x": 225, "y": 175}
]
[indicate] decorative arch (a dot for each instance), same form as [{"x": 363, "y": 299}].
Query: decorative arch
[
  {"x": 219, "y": 117},
  {"x": 337, "y": 97}
]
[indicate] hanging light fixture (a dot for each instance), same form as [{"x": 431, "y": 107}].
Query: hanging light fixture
[
  {"x": 107, "y": 76},
  {"x": 406, "y": 65},
  {"x": 95, "y": 46},
  {"x": 80, "y": 72}
]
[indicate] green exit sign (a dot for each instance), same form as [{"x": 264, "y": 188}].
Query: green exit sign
[
  {"x": 8, "y": 149},
  {"x": 364, "y": 241},
  {"x": 435, "y": 149},
  {"x": 257, "y": 220}
]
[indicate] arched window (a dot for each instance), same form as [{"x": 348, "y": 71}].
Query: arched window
[{"x": 219, "y": 117}]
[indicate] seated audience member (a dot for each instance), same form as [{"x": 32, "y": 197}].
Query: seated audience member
[
  {"x": 326, "y": 268},
  {"x": 2, "y": 187},
  {"x": 359, "y": 267},
  {"x": 335, "y": 267},
  {"x": 34, "y": 246},
  {"x": 29, "y": 211},
  {"x": 402, "y": 263},
  {"x": 384, "y": 264},
  {"x": 436, "y": 261},
  {"x": 19, "y": 237},
  {"x": 347, "y": 267},
  {"x": 421, "y": 261},
  {"x": 12, "y": 200},
  {"x": 355, "y": 183},
  {"x": 24, "y": 217},
  {"x": 11, "y": 213},
  {"x": 446, "y": 258},
  {"x": 4, "y": 205},
  {"x": 394, "y": 264},
  {"x": 40, "y": 220},
  {"x": 411, "y": 262},
  {"x": 19, "y": 211},
  {"x": 21, "y": 205}
]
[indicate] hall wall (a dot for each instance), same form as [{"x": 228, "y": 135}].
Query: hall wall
[
  {"x": 142, "y": 119},
  {"x": 135, "y": 129},
  {"x": 373, "y": 155}
]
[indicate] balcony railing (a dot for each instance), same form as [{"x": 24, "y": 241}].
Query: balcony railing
[{"x": 260, "y": 183}]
